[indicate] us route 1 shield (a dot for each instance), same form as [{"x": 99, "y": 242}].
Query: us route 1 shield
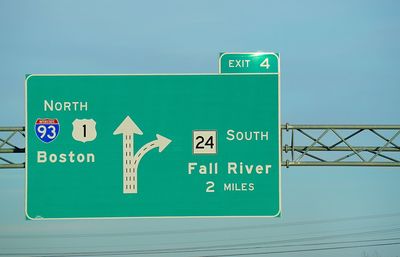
[{"x": 118, "y": 146}]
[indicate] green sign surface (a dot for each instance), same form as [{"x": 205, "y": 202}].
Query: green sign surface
[
  {"x": 110, "y": 146},
  {"x": 249, "y": 62}
]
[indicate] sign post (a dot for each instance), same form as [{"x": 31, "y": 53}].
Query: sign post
[{"x": 119, "y": 146}]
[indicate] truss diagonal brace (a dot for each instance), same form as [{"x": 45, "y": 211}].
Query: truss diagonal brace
[
  {"x": 293, "y": 155},
  {"x": 321, "y": 153}
]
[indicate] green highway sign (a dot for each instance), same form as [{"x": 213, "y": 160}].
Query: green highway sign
[
  {"x": 249, "y": 62},
  {"x": 119, "y": 146}
]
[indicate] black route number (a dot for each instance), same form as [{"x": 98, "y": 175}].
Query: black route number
[{"x": 200, "y": 142}]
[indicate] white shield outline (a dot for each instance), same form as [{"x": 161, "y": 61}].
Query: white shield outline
[{"x": 91, "y": 130}]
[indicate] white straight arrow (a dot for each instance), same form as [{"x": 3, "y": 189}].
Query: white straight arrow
[
  {"x": 128, "y": 129},
  {"x": 161, "y": 142}
]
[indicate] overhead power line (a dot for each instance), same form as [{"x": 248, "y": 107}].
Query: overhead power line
[
  {"x": 284, "y": 248},
  {"x": 211, "y": 230},
  {"x": 304, "y": 250}
]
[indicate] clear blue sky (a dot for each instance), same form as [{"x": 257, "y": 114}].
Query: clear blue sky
[{"x": 339, "y": 64}]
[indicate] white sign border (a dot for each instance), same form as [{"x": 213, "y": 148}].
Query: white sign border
[{"x": 150, "y": 217}]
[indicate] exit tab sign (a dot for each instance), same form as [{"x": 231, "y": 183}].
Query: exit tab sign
[{"x": 249, "y": 62}]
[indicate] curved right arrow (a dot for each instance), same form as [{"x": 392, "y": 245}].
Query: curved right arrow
[{"x": 161, "y": 142}]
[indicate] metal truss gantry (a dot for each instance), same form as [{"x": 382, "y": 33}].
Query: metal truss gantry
[
  {"x": 341, "y": 145},
  {"x": 302, "y": 145},
  {"x": 12, "y": 147}
]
